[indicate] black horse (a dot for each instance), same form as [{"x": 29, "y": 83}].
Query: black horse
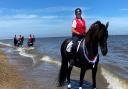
[
  {"x": 19, "y": 43},
  {"x": 30, "y": 43},
  {"x": 86, "y": 56}
]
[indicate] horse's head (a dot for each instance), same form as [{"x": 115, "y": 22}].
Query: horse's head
[{"x": 100, "y": 34}]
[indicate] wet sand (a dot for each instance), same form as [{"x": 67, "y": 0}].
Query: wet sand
[{"x": 9, "y": 77}]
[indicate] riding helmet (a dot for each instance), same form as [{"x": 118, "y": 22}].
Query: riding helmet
[{"x": 78, "y": 10}]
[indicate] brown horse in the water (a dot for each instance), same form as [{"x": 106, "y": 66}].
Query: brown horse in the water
[{"x": 86, "y": 57}]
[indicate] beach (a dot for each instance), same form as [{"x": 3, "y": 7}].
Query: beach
[
  {"x": 9, "y": 77},
  {"x": 38, "y": 66}
]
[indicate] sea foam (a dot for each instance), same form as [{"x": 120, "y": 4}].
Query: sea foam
[{"x": 114, "y": 81}]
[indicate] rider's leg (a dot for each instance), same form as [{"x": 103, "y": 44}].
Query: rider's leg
[{"x": 74, "y": 46}]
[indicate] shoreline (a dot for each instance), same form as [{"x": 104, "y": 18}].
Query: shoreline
[
  {"x": 38, "y": 75},
  {"x": 10, "y": 78}
]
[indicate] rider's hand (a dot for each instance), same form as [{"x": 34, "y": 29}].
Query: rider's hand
[
  {"x": 83, "y": 34},
  {"x": 78, "y": 33}
]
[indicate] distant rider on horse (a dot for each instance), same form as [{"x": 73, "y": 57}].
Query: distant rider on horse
[{"x": 30, "y": 40}]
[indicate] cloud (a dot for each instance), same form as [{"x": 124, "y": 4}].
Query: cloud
[
  {"x": 118, "y": 21},
  {"x": 52, "y": 24},
  {"x": 62, "y": 8},
  {"x": 50, "y": 17},
  {"x": 124, "y": 9},
  {"x": 19, "y": 21},
  {"x": 23, "y": 16},
  {"x": 44, "y": 13},
  {"x": 56, "y": 9},
  {"x": 28, "y": 16},
  {"x": 33, "y": 16},
  {"x": 41, "y": 25},
  {"x": 117, "y": 25}
]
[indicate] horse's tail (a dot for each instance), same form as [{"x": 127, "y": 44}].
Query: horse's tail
[{"x": 64, "y": 66}]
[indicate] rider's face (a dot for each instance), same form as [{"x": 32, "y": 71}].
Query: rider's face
[{"x": 78, "y": 15}]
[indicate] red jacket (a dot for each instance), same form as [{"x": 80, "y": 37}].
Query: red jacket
[
  {"x": 30, "y": 38},
  {"x": 80, "y": 26}
]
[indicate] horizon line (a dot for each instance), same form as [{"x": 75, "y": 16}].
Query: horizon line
[{"x": 65, "y": 36}]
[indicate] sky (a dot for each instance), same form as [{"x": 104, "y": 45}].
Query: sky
[{"x": 53, "y": 18}]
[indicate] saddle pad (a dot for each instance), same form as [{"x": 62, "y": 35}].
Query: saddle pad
[{"x": 69, "y": 46}]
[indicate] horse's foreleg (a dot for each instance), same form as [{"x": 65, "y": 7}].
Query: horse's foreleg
[
  {"x": 94, "y": 71},
  {"x": 68, "y": 75},
  {"x": 83, "y": 70}
]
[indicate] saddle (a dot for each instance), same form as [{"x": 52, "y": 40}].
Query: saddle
[
  {"x": 82, "y": 51},
  {"x": 70, "y": 46}
]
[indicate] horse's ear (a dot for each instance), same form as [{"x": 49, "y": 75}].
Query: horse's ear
[{"x": 107, "y": 25}]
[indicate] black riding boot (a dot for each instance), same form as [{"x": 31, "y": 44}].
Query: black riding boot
[{"x": 74, "y": 45}]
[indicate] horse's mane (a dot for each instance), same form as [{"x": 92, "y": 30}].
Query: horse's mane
[
  {"x": 95, "y": 24},
  {"x": 93, "y": 30}
]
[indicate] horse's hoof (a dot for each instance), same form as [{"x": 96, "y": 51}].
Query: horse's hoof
[
  {"x": 80, "y": 87},
  {"x": 69, "y": 86}
]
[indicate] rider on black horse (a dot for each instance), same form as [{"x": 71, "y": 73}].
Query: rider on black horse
[
  {"x": 78, "y": 29},
  {"x": 15, "y": 41},
  {"x": 30, "y": 40},
  {"x": 19, "y": 41},
  {"x": 86, "y": 56}
]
